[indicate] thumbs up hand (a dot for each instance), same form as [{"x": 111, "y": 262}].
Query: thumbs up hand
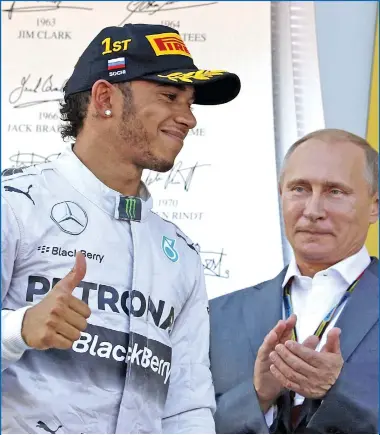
[{"x": 57, "y": 321}]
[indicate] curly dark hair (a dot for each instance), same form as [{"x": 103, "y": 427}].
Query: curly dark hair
[{"x": 73, "y": 110}]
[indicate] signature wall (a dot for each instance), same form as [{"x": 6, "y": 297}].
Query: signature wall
[{"x": 222, "y": 190}]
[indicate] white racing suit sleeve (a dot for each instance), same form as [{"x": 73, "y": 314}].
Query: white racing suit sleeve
[
  {"x": 12, "y": 343},
  {"x": 191, "y": 399}
]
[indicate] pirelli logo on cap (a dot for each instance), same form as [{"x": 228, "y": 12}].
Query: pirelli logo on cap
[{"x": 168, "y": 43}]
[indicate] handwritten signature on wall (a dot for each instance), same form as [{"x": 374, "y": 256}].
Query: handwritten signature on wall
[
  {"x": 28, "y": 159},
  {"x": 41, "y": 7},
  {"x": 136, "y": 7},
  {"x": 213, "y": 264},
  {"x": 178, "y": 175},
  {"x": 40, "y": 86},
  {"x": 152, "y": 8}
]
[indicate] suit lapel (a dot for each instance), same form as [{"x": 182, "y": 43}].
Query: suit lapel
[
  {"x": 262, "y": 309},
  {"x": 358, "y": 316},
  {"x": 361, "y": 311}
]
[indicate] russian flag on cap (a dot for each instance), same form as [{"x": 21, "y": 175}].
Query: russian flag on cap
[{"x": 116, "y": 63}]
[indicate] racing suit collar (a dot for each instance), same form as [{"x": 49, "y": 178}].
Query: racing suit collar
[{"x": 107, "y": 199}]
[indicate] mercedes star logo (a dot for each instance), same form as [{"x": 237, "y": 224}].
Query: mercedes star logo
[{"x": 70, "y": 217}]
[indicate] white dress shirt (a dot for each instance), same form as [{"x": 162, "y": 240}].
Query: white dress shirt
[{"x": 313, "y": 298}]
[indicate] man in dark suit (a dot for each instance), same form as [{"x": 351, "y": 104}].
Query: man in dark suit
[{"x": 299, "y": 353}]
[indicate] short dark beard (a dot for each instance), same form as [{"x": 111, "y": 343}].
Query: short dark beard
[{"x": 133, "y": 133}]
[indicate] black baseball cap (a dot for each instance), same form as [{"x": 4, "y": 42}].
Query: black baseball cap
[{"x": 148, "y": 52}]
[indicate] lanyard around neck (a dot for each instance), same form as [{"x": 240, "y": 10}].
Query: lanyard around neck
[{"x": 327, "y": 319}]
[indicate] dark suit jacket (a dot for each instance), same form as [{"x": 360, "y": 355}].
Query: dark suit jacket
[{"x": 239, "y": 323}]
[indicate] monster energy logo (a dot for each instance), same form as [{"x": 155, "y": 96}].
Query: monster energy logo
[{"x": 130, "y": 208}]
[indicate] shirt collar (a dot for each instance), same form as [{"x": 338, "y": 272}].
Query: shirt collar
[
  {"x": 349, "y": 268},
  {"x": 86, "y": 183}
]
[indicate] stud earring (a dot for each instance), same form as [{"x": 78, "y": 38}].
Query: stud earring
[{"x": 108, "y": 112}]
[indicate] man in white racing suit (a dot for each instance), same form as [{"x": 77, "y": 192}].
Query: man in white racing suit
[{"x": 105, "y": 323}]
